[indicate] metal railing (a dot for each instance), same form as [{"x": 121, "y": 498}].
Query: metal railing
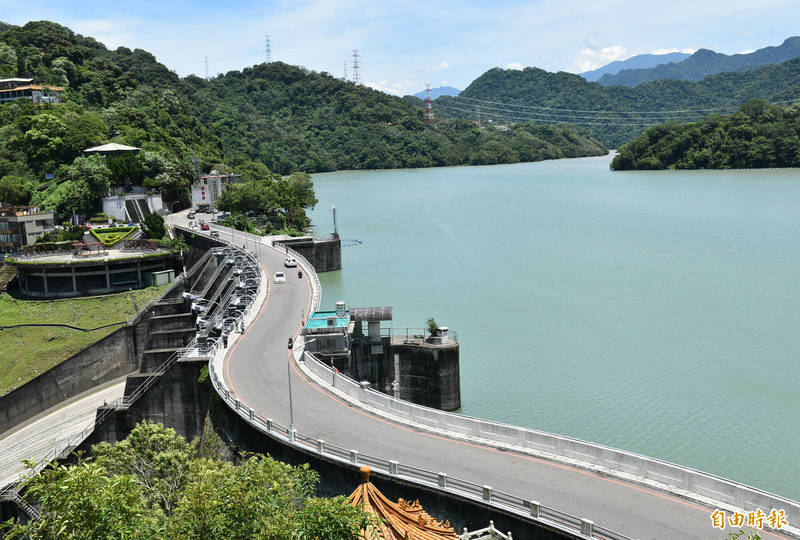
[
  {"x": 430, "y": 479},
  {"x": 629, "y": 466}
]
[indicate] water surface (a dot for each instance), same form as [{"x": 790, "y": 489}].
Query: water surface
[{"x": 651, "y": 311}]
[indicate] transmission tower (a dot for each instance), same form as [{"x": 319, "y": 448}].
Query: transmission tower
[
  {"x": 356, "y": 66},
  {"x": 268, "y": 49},
  {"x": 206, "y": 66},
  {"x": 428, "y": 114},
  {"x": 345, "y": 71}
]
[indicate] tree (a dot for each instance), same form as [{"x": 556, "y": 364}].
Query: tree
[
  {"x": 153, "y": 226},
  {"x": 154, "y": 485},
  {"x": 14, "y": 190}
]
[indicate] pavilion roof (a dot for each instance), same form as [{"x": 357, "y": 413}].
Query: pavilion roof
[
  {"x": 400, "y": 520},
  {"x": 111, "y": 148}
]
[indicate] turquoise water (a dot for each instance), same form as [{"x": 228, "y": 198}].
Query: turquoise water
[{"x": 651, "y": 311}]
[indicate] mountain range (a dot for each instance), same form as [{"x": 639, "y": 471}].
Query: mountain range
[
  {"x": 440, "y": 91},
  {"x": 614, "y": 114},
  {"x": 640, "y": 61},
  {"x": 705, "y": 62}
]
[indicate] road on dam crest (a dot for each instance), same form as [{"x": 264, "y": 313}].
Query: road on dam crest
[{"x": 256, "y": 369}]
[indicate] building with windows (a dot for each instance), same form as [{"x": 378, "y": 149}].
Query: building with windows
[
  {"x": 11, "y": 89},
  {"x": 208, "y": 188},
  {"x": 22, "y": 225}
]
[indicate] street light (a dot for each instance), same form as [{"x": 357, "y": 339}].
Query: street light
[{"x": 289, "y": 378}]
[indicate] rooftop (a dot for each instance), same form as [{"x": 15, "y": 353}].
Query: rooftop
[
  {"x": 400, "y": 520},
  {"x": 22, "y": 211},
  {"x": 327, "y": 319},
  {"x": 32, "y": 87}
]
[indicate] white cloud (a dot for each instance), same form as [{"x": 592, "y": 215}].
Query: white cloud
[
  {"x": 107, "y": 31},
  {"x": 594, "y": 56},
  {"x": 667, "y": 51},
  {"x": 746, "y": 51},
  {"x": 514, "y": 65},
  {"x": 444, "y": 65},
  {"x": 398, "y": 88}
]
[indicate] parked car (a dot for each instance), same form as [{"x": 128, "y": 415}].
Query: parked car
[
  {"x": 214, "y": 234},
  {"x": 280, "y": 277},
  {"x": 192, "y": 225},
  {"x": 204, "y": 227},
  {"x": 191, "y": 215},
  {"x": 289, "y": 262}
]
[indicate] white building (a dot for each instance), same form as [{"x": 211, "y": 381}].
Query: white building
[{"x": 207, "y": 189}]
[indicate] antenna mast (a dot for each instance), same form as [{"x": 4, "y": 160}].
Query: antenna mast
[
  {"x": 356, "y": 66},
  {"x": 268, "y": 50}
]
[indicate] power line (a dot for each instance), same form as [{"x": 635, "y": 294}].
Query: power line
[
  {"x": 503, "y": 112},
  {"x": 522, "y": 117},
  {"x": 587, "y": 110},
  {"x": 566, "y": 116}
]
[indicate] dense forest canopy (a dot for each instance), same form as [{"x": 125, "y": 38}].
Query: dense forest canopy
[
  {"x": 155, "y": 484},
  {"x": 759, "y": 135},
  {"x": 270, "y": 118},
  {"x": 705, "y": 62},
  {"x": 534, "y": 87}
]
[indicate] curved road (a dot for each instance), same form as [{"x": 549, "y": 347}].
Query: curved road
[{"x": 256, "y": 369}]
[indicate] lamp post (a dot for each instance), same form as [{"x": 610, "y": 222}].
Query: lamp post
[{"x": 289, "y": 378}]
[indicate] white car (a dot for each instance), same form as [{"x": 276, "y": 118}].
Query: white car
[
  {"x": 280, "y": 277},
  {"x": 289, "y": 262}
]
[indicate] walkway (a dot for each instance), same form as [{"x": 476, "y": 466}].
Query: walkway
[{"x": 48, "y": 431}]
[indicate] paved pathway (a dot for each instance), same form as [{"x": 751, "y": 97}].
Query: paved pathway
[{"x": 39, "y": 436}]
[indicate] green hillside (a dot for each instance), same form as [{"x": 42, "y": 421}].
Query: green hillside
[
  {"x": 272, "y": 117},
  {"x": 535, "y": 94},
  {"x": 758, "y": 135}
]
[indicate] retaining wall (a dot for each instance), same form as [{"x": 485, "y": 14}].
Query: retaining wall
[
  {"x": 112, "y": 357},
  {"x": 324, "y": 255}
]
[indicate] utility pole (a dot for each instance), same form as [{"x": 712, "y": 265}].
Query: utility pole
[
  {"x": 356, "y": 66},
  {"x": 268, "y": 50},
  {"x": 428, "y": 114}
]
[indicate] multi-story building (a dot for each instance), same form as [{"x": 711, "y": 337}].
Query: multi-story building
[
  {"x": 207, "y": 189},
  {"x": 11, "y": 89},
  {"x": 22, "y": 225}
]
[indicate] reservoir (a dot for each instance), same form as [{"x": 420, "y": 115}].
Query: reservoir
[{"x": 658, "y": 312}]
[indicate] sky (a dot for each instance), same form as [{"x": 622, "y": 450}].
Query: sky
[{"x": 404, "y": 45}]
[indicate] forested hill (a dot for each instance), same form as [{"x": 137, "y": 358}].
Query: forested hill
[
  {"x": 535, "y": 94},
  {"x": 759, "y": 135},
  {"x": 705, "y": 62},
  {"x": 293, "y": 119},
  {"x": 273, "y": 116}
]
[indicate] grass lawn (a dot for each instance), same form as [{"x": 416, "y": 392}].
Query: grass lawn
[{"x": 27, "y": 352}]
